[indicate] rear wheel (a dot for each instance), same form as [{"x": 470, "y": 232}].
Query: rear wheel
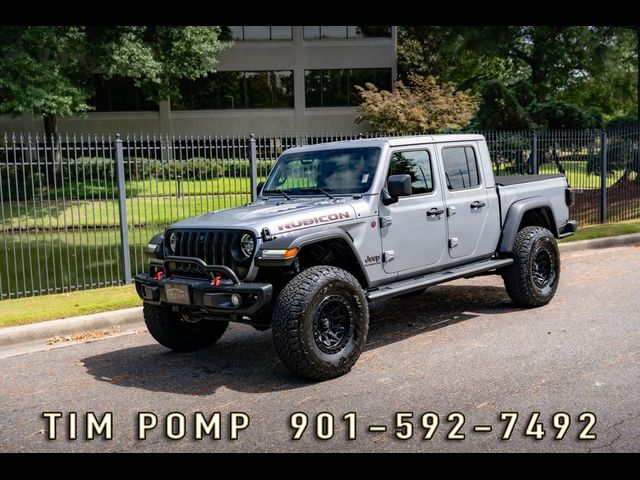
[
  {"x": 320, "y": 323},
  {"x": 533, "y": 278},
  {"x": 180, "y": 332}
]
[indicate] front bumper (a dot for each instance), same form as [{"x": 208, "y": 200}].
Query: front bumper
[{"x": 200, "y": 293}]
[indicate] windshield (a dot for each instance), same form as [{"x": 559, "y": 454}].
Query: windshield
[{"x": 348, "y": 170}]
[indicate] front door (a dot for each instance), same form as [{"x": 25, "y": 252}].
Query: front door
[
  {"x": 414, "y": 229},
  {"x": 466, "y": 199}
]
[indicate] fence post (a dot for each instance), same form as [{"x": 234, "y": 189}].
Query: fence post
[
  {"x": 178, "y": 186},
  {"x": 122, "y": 209},
  {"x": 534, "y": 154},
  {"x": 253, "y": 165},
  {"x": 603, "y": 177}
]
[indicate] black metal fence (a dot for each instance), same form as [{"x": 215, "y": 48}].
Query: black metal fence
[{"x": 77, "y": 212}]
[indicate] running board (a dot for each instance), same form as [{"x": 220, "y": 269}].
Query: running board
[{"x": 424, "y": 281}]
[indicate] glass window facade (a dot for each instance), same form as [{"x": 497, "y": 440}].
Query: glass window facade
[
  {"x": 319, "y": 32},
  {"x": 336, "y": 88},
  {"x": 261, "y": 32},
  {"x": 119, "y": 95},
  {"x": 234, "y": 90}
]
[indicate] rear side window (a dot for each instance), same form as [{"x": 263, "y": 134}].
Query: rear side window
[
  {"x": 460, "y": 167},
  {"x": 417, "y": 165}
]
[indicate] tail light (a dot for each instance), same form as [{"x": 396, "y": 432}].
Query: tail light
[{"x": 570, "y": 196}]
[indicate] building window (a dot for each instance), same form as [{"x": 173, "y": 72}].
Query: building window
[
  {"x": 261, "y": 33},
  {"x": 119, "y": 95},
  {"x": 336, "y": 88},
  {"x": 234, "y": 90},
  {"x": 320, "y": 32}
]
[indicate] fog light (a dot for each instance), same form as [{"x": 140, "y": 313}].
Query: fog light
[{"x": 235, "y": 299}]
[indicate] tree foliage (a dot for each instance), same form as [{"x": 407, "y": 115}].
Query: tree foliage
[
  {"x": 42, "y": 70},
  {"x": 586, "y": 66},
  {"x": 423, "y": 106},
  {"x": 156, "y": 57},
  {"x": 556, "y": 114},
  {"x": 500, "y": 109},
  {"x": 49, "y": 70}
]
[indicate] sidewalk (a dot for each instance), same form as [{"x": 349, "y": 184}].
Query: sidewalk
[{"x": 131, "y": 318}]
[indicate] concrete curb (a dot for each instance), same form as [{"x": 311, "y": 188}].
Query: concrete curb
[
  {"x": 606, "y": 242},
  {"x": 67, "y": 326},
  {"x": 133, "y": 316}
]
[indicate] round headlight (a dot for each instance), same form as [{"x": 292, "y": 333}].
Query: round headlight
[
  {"x": 173, "y": 242},
  {"x": 247, "y": 245}
]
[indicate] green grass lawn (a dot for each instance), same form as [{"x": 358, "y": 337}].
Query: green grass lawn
[
  {"x": 576, "y": 173},
  {"x": 37, "y": 309},
  {"x": 577, "y": 176},
  {"x": 604, "y": 230},
  {"x": 140, "y": 211}
]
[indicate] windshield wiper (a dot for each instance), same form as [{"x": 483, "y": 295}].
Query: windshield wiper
[
  {"x": 279, "y": 191},
  {"x": 318, "y": 189}
]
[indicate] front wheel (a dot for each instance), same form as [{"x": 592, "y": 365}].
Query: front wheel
[
  {"x": 320, "y": 323},
  {"x": 181, "y": 333},
  {"x": 532, "y": 279}
]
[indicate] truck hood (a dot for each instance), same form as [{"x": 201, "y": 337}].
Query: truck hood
[{"x": 278, "y": 216}]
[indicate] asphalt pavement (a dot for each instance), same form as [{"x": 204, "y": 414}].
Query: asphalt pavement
[{"x": 459, "y": 364}]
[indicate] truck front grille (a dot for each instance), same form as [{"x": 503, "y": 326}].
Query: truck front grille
[{"x": 214, "y": 247}]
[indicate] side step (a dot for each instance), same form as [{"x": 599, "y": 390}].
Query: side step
[{"x": 424, "y": 281}]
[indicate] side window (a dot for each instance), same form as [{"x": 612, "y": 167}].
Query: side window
[
  {"x": 416, "y": 164},
  {"x": 460, "y": 167}
]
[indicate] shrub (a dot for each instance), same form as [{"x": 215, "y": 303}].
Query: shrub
[
  {"x": 20, "y": 183},
  {"x": 422, "y": 106},
  {"x": 499, "y": 109},
  {"x": 623, "y": 121},
  {"x": 556, "y": 114}
]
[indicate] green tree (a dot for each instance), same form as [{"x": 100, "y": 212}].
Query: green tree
[
  {"x": 422, "y": 106},
  {"x": 442, "y": 51},
  {"x": 609, "y": 81},
  {"x": 500, "y": 110},
  {"x": 584, "y": 65},
  {"x": 556, "y": 114},
  {"x": 43, "y": 70},
  {"x": 49, "y": 70}
]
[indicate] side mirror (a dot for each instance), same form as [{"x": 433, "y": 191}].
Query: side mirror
[
  {"x": 399, "y": 185},
  {"x": 259, "y": 187}
]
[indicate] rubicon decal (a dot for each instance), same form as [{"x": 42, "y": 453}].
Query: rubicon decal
[{"x": 305, "y": 222}]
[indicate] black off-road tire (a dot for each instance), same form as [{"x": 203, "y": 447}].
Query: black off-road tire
[
  {"x": 312, "y": 307},
  {"x": 171, "y": 331},
  {"x": 533, "y": 278}
]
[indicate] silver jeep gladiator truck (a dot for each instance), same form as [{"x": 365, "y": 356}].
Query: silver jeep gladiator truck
[{"x": 338, "y": 225}]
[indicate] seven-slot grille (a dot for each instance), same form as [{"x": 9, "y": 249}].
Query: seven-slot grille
[{"x": 215, "y": 247}]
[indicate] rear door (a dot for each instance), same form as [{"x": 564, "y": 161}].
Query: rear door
[
  {"x": 465, "y": 197},
  {"x": 415, "y": 238}
]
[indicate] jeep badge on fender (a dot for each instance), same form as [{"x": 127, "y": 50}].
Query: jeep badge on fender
[{"x": 338, "y": 225}]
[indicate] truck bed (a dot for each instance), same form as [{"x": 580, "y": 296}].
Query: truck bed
[
  {"x": 508, "y": 180},
  {"x": 514, "y": 188}
]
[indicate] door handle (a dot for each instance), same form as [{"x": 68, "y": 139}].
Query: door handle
[
  {"x": 435, "y": 211},
  {"x": 478, "y": 204}
]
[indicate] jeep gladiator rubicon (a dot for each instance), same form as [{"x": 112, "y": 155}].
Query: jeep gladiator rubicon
[{"x": 338, "y": 225}]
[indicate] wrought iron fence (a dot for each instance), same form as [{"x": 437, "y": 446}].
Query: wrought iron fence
[{"x": 77, "y": 212}]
